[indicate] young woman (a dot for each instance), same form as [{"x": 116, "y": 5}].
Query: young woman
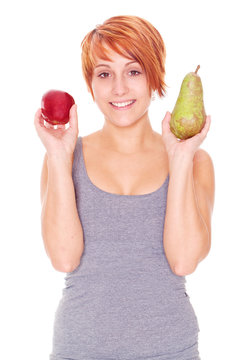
[{"x": 126, "y": 211}]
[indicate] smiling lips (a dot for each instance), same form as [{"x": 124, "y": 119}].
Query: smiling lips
[{"x": 122, "y": 105}]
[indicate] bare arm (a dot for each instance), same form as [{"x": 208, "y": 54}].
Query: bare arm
[
  {"x": 187, "y": 228},
  {"x": 187, "y": 231},
  {"x": 61, "y": 227}
]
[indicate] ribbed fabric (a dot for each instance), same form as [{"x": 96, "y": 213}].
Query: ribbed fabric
[{"x": 122, "y": 302}]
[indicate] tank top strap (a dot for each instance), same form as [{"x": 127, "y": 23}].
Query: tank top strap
[{"x": 76, "y": 168}]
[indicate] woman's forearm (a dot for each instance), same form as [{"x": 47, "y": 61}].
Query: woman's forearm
[
  {"x": 186, "y": 235},
  {"x": 61, "y": 227}
]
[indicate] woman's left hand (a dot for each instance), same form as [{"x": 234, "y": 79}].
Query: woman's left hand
[{"x": 175, "y": 146}]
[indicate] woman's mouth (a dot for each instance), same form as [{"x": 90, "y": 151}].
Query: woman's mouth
[{"x": 122, "y": 105}]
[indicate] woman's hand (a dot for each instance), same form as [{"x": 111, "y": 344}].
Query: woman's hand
[
  {"x": 176, "y": 147},
  {"x": 58, "y": 142}
]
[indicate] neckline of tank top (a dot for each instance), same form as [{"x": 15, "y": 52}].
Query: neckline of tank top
[{"x": 114, "y": 194}]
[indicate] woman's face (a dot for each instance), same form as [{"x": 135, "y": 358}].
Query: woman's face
[{"x": 121, "y": 90}]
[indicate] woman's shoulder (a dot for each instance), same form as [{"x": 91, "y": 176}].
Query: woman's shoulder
[
  {"x": 202, "y": 155},
  {"x": 92, "y": 138},
  {"x": 203, "y": 170}
]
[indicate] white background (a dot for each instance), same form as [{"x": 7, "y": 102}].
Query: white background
[{"x": 40, "y": 50}]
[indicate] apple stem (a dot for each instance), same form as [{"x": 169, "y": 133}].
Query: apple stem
[{"x": 198, "y": 67}]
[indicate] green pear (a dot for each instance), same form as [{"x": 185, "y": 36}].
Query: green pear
[{"x": 188, "y": 116}]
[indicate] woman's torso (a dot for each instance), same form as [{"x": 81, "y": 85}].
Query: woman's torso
[{"x": 123, "y": 301}]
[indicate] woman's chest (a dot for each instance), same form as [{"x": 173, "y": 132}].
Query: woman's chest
[{"x": 126, "y": 174}]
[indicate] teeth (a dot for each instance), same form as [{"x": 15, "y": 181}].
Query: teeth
[{"x": 123, "y": 103}]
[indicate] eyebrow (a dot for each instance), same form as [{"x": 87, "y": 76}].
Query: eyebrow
[{"x": 130, "y": 62}]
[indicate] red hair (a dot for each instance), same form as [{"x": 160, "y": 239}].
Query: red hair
[{"x": 132, "y": 37}]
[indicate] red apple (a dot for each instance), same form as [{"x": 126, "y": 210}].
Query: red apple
[{"x": 55, "y": 107}]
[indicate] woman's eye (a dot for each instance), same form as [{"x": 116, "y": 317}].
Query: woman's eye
[
  {"x": 134, "y": 72},
  {"x": 103, "y": 75}
]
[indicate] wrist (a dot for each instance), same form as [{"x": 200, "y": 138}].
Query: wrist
[
  {"x": 60, "y": 160},
  {"x": 177, "y": 156},
  {"x": 181, "y": 161}
]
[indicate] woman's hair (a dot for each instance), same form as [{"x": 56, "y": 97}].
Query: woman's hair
[{"x": 130, "y": 35}]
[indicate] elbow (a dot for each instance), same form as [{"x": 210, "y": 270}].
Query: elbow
[
  {"x": 188, "y": 265},
  {"x": 61, "y": 262},
  {"x": 181, "y": 270},
  {"x": 63, "y": 259},
  {"x": 65, "y": 267}
]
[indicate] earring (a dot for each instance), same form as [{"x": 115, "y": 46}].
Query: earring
[{"x": 153, "y": 96}]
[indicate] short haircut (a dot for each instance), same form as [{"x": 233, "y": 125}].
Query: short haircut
[{"x": 130, "y": 35}]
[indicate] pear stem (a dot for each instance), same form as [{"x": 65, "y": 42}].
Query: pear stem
[{"x": 198, "y": 67}]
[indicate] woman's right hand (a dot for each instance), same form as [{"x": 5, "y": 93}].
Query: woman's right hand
[{"x": 58, "y": 142}]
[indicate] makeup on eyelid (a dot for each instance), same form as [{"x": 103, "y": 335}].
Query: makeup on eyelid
[{"x": 136, "y": 73}]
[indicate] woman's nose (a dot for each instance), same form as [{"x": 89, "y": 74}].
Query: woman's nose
[{"x": 119, "y": 86}]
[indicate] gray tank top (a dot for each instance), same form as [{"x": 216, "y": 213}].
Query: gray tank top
[{"x": 122, "y": 301}]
